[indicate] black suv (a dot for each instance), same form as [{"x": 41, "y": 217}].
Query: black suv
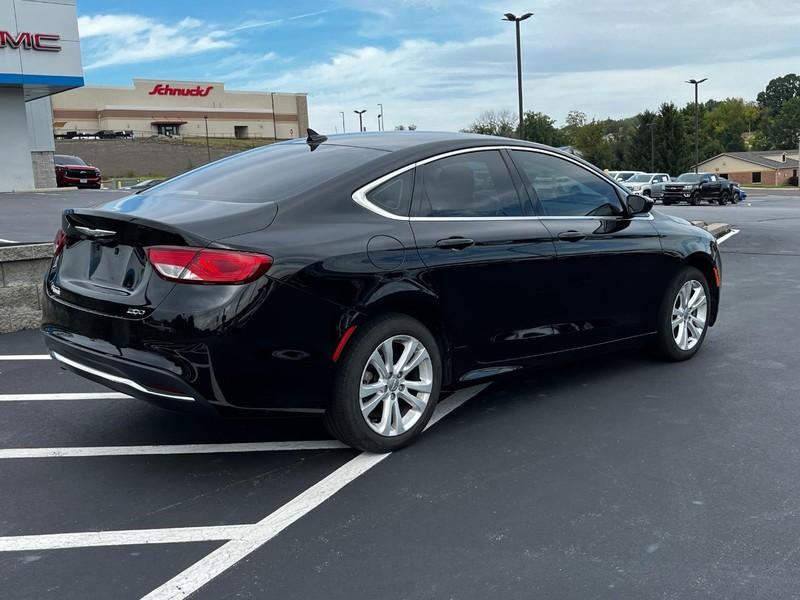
[{"x": 695, "y": 187}]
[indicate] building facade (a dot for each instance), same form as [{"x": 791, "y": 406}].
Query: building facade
[
  {"x": 180, "y": 109},
  {"x": 771, "y": 167},
  {"x": 39, "y": 56}
]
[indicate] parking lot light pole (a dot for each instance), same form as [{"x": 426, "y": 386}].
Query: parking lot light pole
[
  {"x": 517, "y": 20},
  {"x": 381, "y": 123},
  {"x": 696, "y": 83},
  {"x": 360, "y": 114},
  {"x": 208, "y": 146},
  {"x": 344, "y": 129}
]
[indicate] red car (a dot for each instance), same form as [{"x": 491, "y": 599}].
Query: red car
[{"x": 71, "y": 171}]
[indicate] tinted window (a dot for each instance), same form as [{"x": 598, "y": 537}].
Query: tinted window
[
  {"x": 565, "y": 189},
  {"x": 394, "y": 196},
  {"x": 63, "y": 159},
  {"x": 265, "y": 174},
  {"x": 475, "y": 184}
]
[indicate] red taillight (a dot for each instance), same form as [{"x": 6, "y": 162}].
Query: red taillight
[
  {"x": 198, "y": 265},
  {"x": 58, "y": 243}
]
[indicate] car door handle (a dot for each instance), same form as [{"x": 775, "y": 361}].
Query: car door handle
[
  {"x": 455, "y": 243},
  {"x": 572, "y": 236}
]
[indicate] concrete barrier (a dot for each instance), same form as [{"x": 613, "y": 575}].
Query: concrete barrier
[{"x": 22, "y": 269}]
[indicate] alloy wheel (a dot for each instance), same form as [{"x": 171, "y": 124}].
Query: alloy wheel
[
  {"x": 396, "y": 385},
  {"x": 689, "y": 315}
]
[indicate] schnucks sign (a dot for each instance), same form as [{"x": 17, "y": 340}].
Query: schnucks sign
[
  {"x": 164, "y": 89},
  {"x": 30, "y": 41}
]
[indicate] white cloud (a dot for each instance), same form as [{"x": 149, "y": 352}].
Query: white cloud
[
  {"x": 127, "y": 39},
  {"x": 610, "y": 58}
]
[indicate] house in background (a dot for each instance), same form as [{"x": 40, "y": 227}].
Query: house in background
[{"x": 769, "y": 167}]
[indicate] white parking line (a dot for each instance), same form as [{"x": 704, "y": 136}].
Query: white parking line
[
  {"x": 241, "y": 539},
  {"x": 64, "y": 396},
  {"x": 80, "y": 452},
  {"x": 728, "y": 236},
  {"x": 2, "y": 241},
  {"x": 227, "y": 555},
  {"x": 25, "y": 357},
  {"x": 91, "y": 539}
]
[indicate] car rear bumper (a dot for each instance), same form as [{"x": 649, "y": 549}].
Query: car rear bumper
[
  {"x": 156, "y": 386},
  {"x": 236, "y": 357}
]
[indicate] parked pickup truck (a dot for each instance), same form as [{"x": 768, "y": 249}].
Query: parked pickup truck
[
  {"x": 642, "y": 184},
  {"x": 696, "y": 187}
]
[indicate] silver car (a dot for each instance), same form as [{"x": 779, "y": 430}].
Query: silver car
[{"x": 642, "y": 184}]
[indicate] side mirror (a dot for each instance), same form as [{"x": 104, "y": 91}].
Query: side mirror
[{"x": 639, "y": 205}]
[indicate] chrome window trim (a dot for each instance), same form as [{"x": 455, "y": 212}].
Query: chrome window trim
[
  {"x": 116, "y": 378},
  {"x": 360, "y": 195}
]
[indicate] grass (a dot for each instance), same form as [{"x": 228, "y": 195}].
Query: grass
[{"x": 232, "y": 143}]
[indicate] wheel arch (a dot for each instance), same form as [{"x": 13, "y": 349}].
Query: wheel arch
[
  {"x": 425, "y": 308},
  {"x": 705, "y": 264}
]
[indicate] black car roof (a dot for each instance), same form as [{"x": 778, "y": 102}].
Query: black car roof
[{"x": 393, "y": 141}]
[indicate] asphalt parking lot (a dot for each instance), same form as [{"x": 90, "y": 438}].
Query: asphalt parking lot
[
  {"x": 33, "y": 217},
  {"x": 620, "y": 477}
]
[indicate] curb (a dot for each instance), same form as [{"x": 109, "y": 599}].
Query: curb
[
  {"x": 715, "y": 229},
  {"x": 37, "y": 190},
  {"x": 21, "y": 271}
]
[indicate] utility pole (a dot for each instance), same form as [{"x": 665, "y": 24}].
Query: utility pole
[
  {"x": 344, "y": 130},
  {"x": 517, "y": 20},
  {"x": 696, "y": 83},
  {"x": 360, "y": 114},
  {"x": 208, "y": 146}
]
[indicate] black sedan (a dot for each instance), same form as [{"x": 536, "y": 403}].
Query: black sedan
[{"x": 358, "y": 275}]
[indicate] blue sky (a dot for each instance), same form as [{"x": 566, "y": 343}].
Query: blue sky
[{"x": 439, "y": 63}]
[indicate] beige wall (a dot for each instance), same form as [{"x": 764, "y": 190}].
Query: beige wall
[
  {"x": 90, "y": 109},
  {"x": 741, "y": 171}
]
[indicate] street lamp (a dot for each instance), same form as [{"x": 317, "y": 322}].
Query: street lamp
[
  {"x": 696, "y": 83},
  {"x": 517, "y": 20},
  {"x": 208, "y": 146},
  {"x": 344, "y": 130},
  {"x": 360, "y": 114},
  {"x": 381, "y": 122}
]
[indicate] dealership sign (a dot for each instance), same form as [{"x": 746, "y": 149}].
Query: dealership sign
[
  {"x": 164, "y": 89},
  {"x": 30, "y": 41}
]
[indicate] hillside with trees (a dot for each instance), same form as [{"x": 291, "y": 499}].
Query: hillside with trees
[{"x": 664, "y": 140}]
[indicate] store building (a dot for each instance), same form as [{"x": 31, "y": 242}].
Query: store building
[
  {"x": 180, "y": 109},
  {"x": 39, "y": 56},
  {"x": 770, "y": 167}
]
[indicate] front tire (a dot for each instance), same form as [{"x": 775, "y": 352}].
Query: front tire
[
  {"x": 684, "y": 316},
  {"x": 695, "y": 199},
  {"x": 387, "y": 385}
]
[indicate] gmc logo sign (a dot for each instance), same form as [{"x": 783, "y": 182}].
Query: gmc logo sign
[
  {"x": 165, "y": 90},
  {"x": 30, "y": 41}
]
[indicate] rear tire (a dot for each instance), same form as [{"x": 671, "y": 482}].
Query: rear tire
[
  {"x": 378, "y": 405},
  {"x": 725, "y": 198},
  {"x": 683, "y": 316}
]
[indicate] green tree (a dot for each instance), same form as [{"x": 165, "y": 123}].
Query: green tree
[
  {"x": 493, "y": 122},
  {"x": 725, "y": 125},
  {"x": 638, "y": 150},
  {"x": 779, "y": 91},
  {"x": 671, "y": 141},
  {"x": 593, "y": 143},
  {"x": 538, "y": 127},
  {"x": 785, "y": 128}
]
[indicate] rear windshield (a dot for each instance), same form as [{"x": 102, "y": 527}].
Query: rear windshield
[
  {"x": 640, "y": 178},
  {"x": 266, "y": 174}
]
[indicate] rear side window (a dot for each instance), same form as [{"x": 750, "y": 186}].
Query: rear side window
[
  {"x": 565, "y": 189},
  {"x": 266, "y": 174},
  {"x": 474, "y": 184},
  {"x": 394, "y": 196}
]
